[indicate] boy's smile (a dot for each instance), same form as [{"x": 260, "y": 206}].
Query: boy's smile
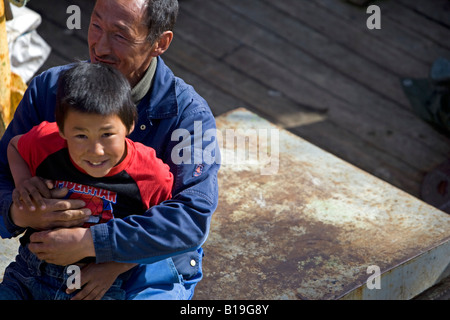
[{"x": 96, "y": 143}]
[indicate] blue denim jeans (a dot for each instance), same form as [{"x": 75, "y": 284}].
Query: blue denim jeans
[{"x": 29, "y": 278}]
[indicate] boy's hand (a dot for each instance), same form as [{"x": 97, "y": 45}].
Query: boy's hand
[
  {"x": 96, "y": 279},
  {"x": 31, "y": 192}
]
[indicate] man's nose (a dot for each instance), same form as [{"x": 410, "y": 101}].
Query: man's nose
[{"x": 102, "y": 47}]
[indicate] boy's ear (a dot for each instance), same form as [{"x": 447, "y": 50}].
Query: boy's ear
[
  {"x": 62, "y": 134},
  {"x": 131, "y": 129}
]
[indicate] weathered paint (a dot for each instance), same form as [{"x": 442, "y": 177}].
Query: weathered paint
[
  {"x": 406, "y": 280},
  {"x": 311, "y": 230}
]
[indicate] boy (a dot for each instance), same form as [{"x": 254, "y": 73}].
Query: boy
[{"x": 87, "y": 152}]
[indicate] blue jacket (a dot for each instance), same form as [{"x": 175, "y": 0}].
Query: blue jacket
[{"x": 176, "y": 226}]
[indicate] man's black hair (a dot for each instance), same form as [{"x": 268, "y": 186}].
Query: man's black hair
[
  {"x": 94, "y": 88},
  {"x": 161, "y": 16}
]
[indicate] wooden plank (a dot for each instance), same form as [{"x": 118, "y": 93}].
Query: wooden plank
[
  {"x": 325, "y": 46},
  {"x": 56, "y": 12},
  {"x": 419, "y": 23},
  {"x": 368, "y": 157},
  {"x": 377, "y": 67},
  {"x": 219, "y": 101},
  {"x": 67, "y": 44},
  {"x": 303, "y": 65},
  {"x": 392, "y": 34},
  {"x": 64, "y": 43},
  {"x": 398, "y": 144},
  {"x": 256, "y": 95},
  {"x": 360, "y": 71},
  {"x": 210, "y": 38},
  {"x": 436, "y": 10}
]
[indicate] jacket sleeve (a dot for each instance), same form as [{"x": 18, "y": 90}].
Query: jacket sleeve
[
  {"x": 177, "y": 225},
  {"x": 36, "y": 106}
]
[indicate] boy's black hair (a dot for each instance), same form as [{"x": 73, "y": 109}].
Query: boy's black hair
[{"x": 94, "y": 88}]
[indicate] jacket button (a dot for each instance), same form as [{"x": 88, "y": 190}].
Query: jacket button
[
  {"x": 143, "y": 127},
  {"x": 193, "y": 263}
]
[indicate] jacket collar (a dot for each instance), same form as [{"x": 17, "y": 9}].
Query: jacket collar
[
  {"x": 161, "y": 100},
  {"x": 142, "y": 87}
]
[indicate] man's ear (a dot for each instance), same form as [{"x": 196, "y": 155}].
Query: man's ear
[{"x": 162, "y": 44}]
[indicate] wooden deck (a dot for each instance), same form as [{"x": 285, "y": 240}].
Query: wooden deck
[{"x": 312, "y": 67}]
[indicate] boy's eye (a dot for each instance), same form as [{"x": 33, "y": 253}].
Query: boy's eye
[
  {"x": 81, "y": 136},
  {"x": 107, "y": 135}
]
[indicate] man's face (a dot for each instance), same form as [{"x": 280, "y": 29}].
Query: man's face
[{"x": 118, "y": 36}]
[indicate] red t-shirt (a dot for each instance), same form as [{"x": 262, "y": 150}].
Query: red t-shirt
[{"x": 140, "y": 181}]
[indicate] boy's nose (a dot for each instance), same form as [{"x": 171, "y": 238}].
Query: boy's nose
[{"x": 97, "y": 149}]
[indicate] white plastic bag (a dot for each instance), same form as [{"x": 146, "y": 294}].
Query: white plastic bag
[{"x": 27, "y": 50}]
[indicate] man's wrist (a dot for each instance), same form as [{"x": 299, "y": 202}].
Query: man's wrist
[{"x": 88, "y": 244}]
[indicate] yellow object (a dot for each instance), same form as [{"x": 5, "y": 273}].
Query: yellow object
[{"x": 12, "y": 86}]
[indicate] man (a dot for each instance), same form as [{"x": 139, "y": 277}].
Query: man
[{"x": 131, "y": 36}]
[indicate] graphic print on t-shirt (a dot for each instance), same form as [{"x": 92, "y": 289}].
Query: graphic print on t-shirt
[{"x": 98, "y": 200}]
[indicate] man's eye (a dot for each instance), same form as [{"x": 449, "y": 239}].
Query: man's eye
[{"x": 120, "y": 38}]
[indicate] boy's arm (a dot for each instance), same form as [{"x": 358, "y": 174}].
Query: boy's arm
[
  {"x": 19, "y": 168},
  {"x": 27, "y": 187}
]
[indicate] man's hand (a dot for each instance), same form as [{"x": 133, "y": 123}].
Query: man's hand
[
  {"x": 31, "y": 192},
  {"x": 53, "y": 213},
  {"x": 96, "y": 279},
  {"x": 62, "y": 246}
]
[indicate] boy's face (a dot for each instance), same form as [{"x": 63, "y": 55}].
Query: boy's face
[{"x": 96, "y": 143}]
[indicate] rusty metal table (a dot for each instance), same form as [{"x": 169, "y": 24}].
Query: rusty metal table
[{"x": 297, "y": 222}]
